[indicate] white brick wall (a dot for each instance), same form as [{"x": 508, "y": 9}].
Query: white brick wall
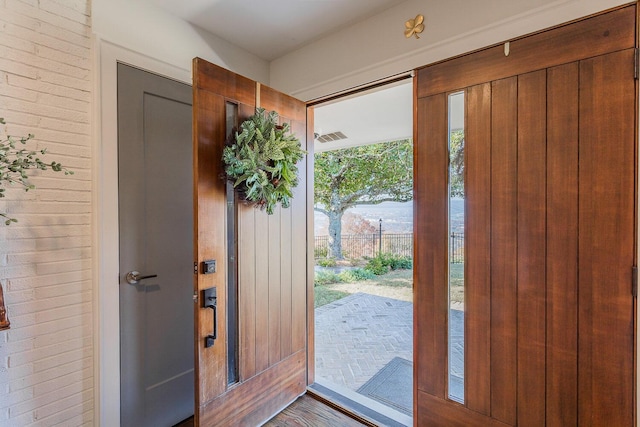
[{"x": 46, "y": 358}]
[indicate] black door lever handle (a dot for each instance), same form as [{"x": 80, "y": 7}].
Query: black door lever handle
[{"x": 210, "y": 300}]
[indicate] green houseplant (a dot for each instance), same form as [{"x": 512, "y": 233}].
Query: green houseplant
[
  {"x": 16, "y": 160},
  {"x": 261, "y": 161}
]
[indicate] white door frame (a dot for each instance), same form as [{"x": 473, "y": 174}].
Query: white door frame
[{"x": 105, "y": 217}]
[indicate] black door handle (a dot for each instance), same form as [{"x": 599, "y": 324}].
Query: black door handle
[{"x": 210, "y": 300}]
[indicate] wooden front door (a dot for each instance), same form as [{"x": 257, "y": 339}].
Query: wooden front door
[
  {"x": 257, "y": 363},
  {"x": 550, "y": 230}
]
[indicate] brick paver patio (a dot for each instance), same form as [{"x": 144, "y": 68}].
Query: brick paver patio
[{"x": 358, "y": 335}]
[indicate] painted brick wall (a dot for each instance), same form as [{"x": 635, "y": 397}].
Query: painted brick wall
[{"x": 46, "y": 358}]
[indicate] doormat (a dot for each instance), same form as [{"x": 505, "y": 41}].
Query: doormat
[{"x": 392, "y": 385}]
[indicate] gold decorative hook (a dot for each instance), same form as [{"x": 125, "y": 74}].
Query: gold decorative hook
[{"x": 414, "y": 26}]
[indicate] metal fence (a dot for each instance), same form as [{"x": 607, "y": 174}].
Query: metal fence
[
  {"x": 456, "y": 247},
  {"x": 369, "y": 245}
]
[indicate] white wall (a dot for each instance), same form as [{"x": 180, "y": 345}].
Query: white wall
[
  {"x": 153, "y": 32},
  {"x": 46, "y": 358},
  {"x": 376, "y": 48}
]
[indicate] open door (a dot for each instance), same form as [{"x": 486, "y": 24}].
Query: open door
[
  {"x": 251, "y": 269},
  {"x": 550, "y": 228}
]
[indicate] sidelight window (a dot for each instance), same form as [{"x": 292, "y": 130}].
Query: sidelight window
[{"x": 456, "y": 247}]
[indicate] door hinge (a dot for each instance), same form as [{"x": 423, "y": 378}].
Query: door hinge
[
  {"x": 636, "y": 63},
  {"x": 195, "y": 296},
  {"x": 634, "y": 281},
  {"x": 195, "y": 267}
]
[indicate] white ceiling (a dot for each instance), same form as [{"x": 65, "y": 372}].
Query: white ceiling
[
  {"x": 271, "y": 28},
  {"x": 379, "y": 116}
]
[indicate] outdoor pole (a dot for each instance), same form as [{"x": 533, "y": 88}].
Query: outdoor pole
[{"x": 380, "y": 237}]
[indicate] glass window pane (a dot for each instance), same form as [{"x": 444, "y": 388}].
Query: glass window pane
[
  {"x": 456, "y": 246},
  {"x": 231, "y": 111}
]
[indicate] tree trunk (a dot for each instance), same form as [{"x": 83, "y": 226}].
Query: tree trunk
[{"x": 335, "y": 234}]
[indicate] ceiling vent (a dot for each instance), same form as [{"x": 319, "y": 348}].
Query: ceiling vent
[{"x": 334, "y": 136}]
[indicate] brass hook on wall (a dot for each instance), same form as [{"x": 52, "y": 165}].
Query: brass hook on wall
[{"x": 4, "y": 319}]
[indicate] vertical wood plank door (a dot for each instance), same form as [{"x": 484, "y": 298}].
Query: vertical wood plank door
[
  {"x": 257, "y": 365},
  {"x": 550, "y": 226}
]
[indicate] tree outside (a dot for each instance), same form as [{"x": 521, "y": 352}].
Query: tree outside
[
  {"x": 456, "y": 154},
  {"x": 365, "y": 175},
  {"x": 353, "y": 223}
]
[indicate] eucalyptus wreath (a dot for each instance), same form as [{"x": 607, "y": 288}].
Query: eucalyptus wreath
[
  {"x": 261, "y": 161},
  {"x": 15, "y": 161}
]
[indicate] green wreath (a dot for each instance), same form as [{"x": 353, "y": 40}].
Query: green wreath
[{"x": 261, "y": 161}]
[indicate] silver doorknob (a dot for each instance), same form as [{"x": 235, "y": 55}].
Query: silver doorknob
[{"x": 133, "y": 277}]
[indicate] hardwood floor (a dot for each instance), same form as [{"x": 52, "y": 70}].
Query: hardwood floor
[
  {"x": 305, "y": 411},
  {"x": 308, "y": 411}
]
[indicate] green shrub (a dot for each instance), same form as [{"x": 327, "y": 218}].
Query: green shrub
[
  {"x": 356, "y": 275},
  {"x": 397, "y": 262},
  {"x": 382, "y": 263},
  {"x": 325, "y": 278},
  {"x": 377, "y": 266},
  {"x": 320, "y": 252},
  {"x": 326, "y": 262}
]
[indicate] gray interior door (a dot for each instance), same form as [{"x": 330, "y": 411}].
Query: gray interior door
[{"x": 156, "y": 239}]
